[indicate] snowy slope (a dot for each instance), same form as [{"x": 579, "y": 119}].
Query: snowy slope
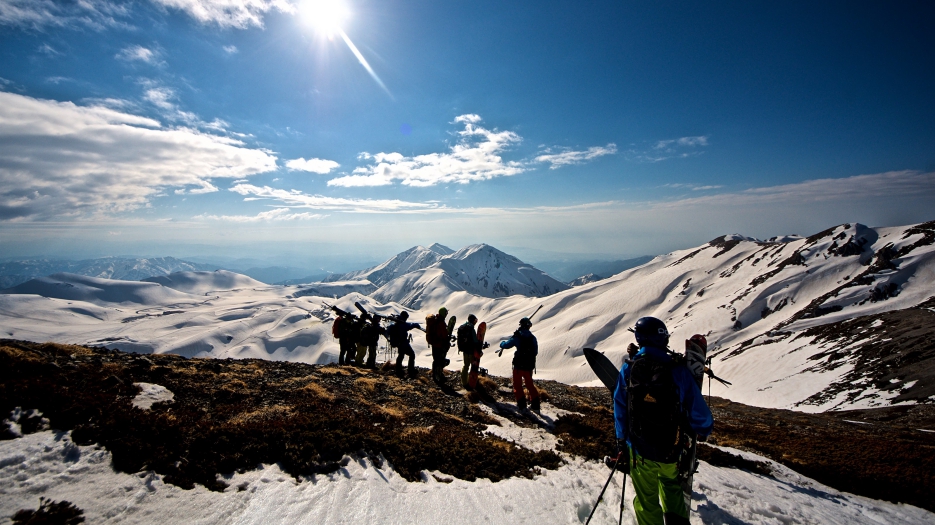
[
  {"x": 100, "y": 291},
  {"x": 334, "y": 289},
  {"x": 51, "y": 465},
  {"x": 415, "y": 258},
  {"x": 129, "y": 269},
  {"x": 479, "y": 269},
  {"x": 204, "y": 282}
]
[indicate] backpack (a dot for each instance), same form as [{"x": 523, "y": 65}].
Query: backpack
[
  {"x": 464, "y": 338},
  {"x": 653, "y": 409},
  {"x": 431, "y": 326},
  {"x": 336, "y": 327},
  {"x": 398, "y": 334}
]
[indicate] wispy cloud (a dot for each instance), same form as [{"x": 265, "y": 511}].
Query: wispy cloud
[
  {"x": 239, "y": 14},
  {"x": 139, "y": 54},
  {"x": 565, "y": 157},
  {"x": 692, "y": 187},
  {"x": 230, "y": 50},
  {"x": 58, "y": 159},
  {"x": 95, "y": 14},
  {"x": 274, "y": 215},
  {"x": 475, "y": 157},
  {"x": 297, "y": 198},
  {"x": 320, "y": 166},
  {"x": 668, "y": 149}
]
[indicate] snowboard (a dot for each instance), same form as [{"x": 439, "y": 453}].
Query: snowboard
[
  {"x": 603, "y": 368},
  {"x": 475, "y": 362},
  {"x": 451, "y": 328}
]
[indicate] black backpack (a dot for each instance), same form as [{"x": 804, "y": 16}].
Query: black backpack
[
  {"x": 464, "y": 337},
  {"x": 653, "y": 409}
]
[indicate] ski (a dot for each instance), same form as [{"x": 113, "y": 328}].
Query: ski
[{"x": 475, "y": 361}]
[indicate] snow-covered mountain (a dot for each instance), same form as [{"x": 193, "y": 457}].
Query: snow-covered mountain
[
  {"x": 415, "y": 258},
  {"x": 479, "y": 270},
  {"x": 205, "y": 282},
  {"x": 127, "y": 269},
  {"x": 841, "y": 319},
  {"x": 585, "y": 279}
]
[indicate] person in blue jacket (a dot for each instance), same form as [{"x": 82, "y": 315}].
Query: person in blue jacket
[{"x": 650, "y": 410}]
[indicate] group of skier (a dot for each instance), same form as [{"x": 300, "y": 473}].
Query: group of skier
[{"x": 359, "y": 336}]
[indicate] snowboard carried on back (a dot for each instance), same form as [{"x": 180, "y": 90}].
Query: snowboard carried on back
[
  {"x": 475, "y": 360},
  {"x": 451, "y": 328}
]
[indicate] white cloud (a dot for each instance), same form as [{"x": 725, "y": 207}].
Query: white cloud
[
  {"x": 230, "y": 50},
  {"x": 693, "y": 187},
  {"x": 568, "y": 157},
  {"x": 475, "y": 157},
  {"x": 138, "y": 53},
  {"x": 161, "y": 97},
  {"x": 320, "y": 166},
  {"x": 297, "y": 198},
  {"x": 58, "y": 159},
  {"x": 96, "y": 14},
  {"x": 229, "y": 13},
  {"x": 669, "y": 149},
  {"x": 276, "y": 214}
]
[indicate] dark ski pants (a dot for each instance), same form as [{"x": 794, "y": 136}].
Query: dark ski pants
[
  {"x": 404, "y": 350},
  {"x": 347, "y": 351},
  {"x": 439, "y": 356},
  {"x": 659, "y": 499},
  {"x": 519, "y": 376}
]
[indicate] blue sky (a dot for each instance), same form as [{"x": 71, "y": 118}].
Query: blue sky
[{"x": 274, "y": 127}]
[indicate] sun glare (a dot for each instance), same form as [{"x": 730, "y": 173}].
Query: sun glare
[{"x": 325, "y": 16}]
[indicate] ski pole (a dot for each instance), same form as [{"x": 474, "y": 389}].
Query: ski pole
[
  {"x": 601, "y": 495},
  {"x": 623, "y": 497}
]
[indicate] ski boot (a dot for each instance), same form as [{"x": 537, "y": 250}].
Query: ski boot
[
  {"x": 534, "y": 405},
  {"x": 521, "y": 404}
]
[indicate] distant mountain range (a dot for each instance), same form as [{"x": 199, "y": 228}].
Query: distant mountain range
[{"x": 121, "y": 268}]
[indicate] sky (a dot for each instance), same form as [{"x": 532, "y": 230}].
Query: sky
[{"x": 304, "y": 129}]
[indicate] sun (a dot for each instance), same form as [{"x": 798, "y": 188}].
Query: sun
[{"x": 325, "y": 16}]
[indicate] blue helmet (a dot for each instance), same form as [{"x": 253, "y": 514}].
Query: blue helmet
[{"x": 651, "y": 332}]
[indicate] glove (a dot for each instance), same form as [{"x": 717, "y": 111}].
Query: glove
[
  {"x": 702, "y": 439},
  {"x": 502, "y": 344},
  {"x": 622, "y": 457},
  {"x": 486, "y": 345}
]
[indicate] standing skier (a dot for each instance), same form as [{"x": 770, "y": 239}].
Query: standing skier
[
  {"x": 524, "y": 362},
  {"x": 369, "y": 339},
  {"x": 656, "y": 401},
  {"x": 436, "y": 335},
  {"x": 467, "y": 345},
  {"x": 345, "y": 324},
  {"x": 399, "y": 338}
]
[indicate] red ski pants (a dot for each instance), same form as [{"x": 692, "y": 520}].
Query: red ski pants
[{"x": 518, "y": 377}]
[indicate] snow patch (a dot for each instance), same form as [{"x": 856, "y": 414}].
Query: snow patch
[{"x": 151, "y": 394}]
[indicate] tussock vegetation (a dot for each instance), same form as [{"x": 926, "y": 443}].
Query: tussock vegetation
[{"x": 232, "y": 415}]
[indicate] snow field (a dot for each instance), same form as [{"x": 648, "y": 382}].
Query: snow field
[{"x": 48, "y": 464}]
